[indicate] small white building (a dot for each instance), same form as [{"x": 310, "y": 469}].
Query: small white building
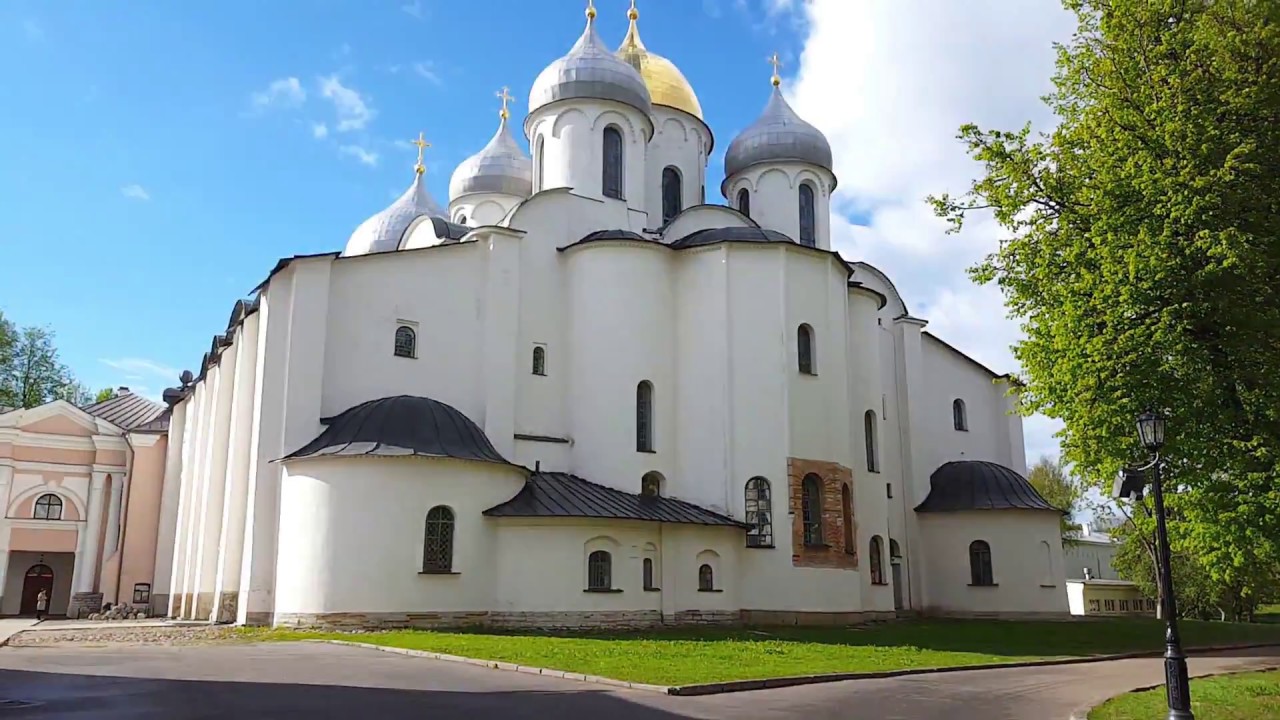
[
  {"x": 577, "y": 395},
  {"x": 1089, "y": 555}
]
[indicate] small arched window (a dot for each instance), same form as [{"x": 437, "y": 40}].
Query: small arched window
[
  {"x": 612, "y": 180},
  {"x": 599, "y": 571},
  {"x": 873, "y": 451},
  {"x": 1046, "y": 555},
  {"x": 846, "y": 514},
  {"x": 644, "y": 417},
  {"x": 804, "y": 349},
  {"x": 895, "y": 554},
  {"x": 672, "y": 189},
  {"x": 808, "y": 226},
  {"x": 538, "y": 165},
  {"x": 48, "y": 507},
  {"x": 980, "y": 563},
  {"x": 744, "y": 202},
  {"x": 539, "y": 360},
  {"x": 706, "y": 578},
  {"x": 462, "y": 219},
  {"x": 759, "y": 513},
  {"x": 811, "y": 509},
  {"x": 647, "y": 569},
  {"x": 877, "y": 560},
  {"x": 437, "y": 547},
  {"x": 959, "y": 417},
  {"x": 406, "y": 342},
  {"x": 651, "y": 485}
]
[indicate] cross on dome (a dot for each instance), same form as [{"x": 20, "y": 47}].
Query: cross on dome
[
  {"x": 633, "y": 13},
  {"x": 591, "y": 10},
  {"x": 422, "y": 145},
  {"x": 505, "y": 96},
  {"x": 776, "y": 63}
]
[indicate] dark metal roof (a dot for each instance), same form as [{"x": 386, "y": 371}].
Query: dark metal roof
[
  {"x": 445, "y": 229},
  {"x": 980, "y": 485},
  {"x": 399, "y": 426},
  {"x": 554, "y": 494},
  {"x": 600, "y": 235},
  {"x": 126, "y": 410},
  {"x": 710, "y": 236}
]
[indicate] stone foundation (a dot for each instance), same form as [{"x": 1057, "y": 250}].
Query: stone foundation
[
  {"x": 799, "y": 617},
  {"x": 159, "y": 605},
  {"x": 82, "y": 604},
  {"x": 204, "y": 606},
  {"x": 227, "y": 605},
  {"x": 259, "y": 619},
  {"x": 708, "y": 617},
  {"x": 997, "y": 615},
  {"x": 581, "y": 620},
  {"x": 563, "y": 620}
]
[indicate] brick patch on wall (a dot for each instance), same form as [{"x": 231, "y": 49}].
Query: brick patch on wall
[
  {"x": 708, "y": 617},
  {"x": 833, "y": 477}
]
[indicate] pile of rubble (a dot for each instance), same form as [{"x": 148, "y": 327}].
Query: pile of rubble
[{"x": 123, "y": 611}]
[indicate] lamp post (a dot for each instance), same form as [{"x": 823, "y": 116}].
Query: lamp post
[{"x": 1177, "y": 686}]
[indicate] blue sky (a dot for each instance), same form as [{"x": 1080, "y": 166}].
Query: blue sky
[{"x": 157, "y": 158}]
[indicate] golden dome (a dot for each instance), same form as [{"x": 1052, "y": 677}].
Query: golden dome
[{"x": 667, "y": 85}]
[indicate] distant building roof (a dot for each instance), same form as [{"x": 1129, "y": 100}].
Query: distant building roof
[
  {"x": 128, "y": 411},
  {"x": 399, "y": 426},
  {"x": 980, "y": 485},
  {"x": 554, "y": 494}
]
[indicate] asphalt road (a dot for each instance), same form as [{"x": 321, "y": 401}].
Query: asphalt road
[{"x": 312, "y": 680}]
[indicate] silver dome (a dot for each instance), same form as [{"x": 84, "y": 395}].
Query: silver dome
[
  {"x": 382, "y": 232},
  {"x": 501, "y": 167},
  {"x": 778, "y": 135},
  {"x": 590, "y": 70}
]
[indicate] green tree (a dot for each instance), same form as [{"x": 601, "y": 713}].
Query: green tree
[
  {"x": 1061, "y": 490},
  {"x": 105, "y": 394},
  {"x": 35, "y": 375},
  {"x": 1141, "y": 254},
  {"x": 8, "y": 338}
]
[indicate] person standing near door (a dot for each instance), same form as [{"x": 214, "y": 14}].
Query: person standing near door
[{"x": 42, "y": 604}]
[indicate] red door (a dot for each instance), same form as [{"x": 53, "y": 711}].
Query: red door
[{"x": 39, "y": 577}]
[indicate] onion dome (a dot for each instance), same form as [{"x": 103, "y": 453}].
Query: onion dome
[
  {"x": 501, "y": 167},
  {"x": 667, "y": 85},
  {"x": 779, "y": 135},
  {"x": 590, "y": 71},
  {"x": 383, "y": 232}
]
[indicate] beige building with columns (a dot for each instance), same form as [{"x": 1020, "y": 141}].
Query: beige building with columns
[{"x": 81, "y": 490}]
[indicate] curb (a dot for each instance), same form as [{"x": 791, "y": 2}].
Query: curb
[
  {"x": 1082, "y": 712},
  {"x": 779, "y": 682}
]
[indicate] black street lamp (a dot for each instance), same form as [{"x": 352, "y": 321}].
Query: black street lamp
[{"x": 1130, "y": 484}]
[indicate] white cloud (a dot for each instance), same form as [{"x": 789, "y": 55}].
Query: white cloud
[
  {"x": 364, "y": 156},
  {"x": 353, "y": 111},
  {"x": 135, "y": 192},
  {"x": 33, "y": 30},
  {"x": 139, "y": 368},
  {"x": 319, "y": 130},
  {"x": 414, "y": 9},
  {"x": 285, "y": 92},
  {"x": 426, "y": 70},
  {"x": 890, "y": 83}
]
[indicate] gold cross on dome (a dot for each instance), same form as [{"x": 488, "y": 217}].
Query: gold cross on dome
[
  {"x": 776, "y": 63},
  {"x": 633, "y": 13},
  {"x": 505, "y": 97},
  {"x": 591, "y": 10},
  {"x": 422, "y": 145}
]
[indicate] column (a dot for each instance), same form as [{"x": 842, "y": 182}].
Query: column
[
  {"x": 231, "y": 540},
  {"x": 112, "y": 538},
  {"x": 211, "y": 526},
  {"x": 86, "y": 563},
  {"x": 501, "y": 333},
  {"x": 6, "y": 478},
  {"x": 909, "y": 376},
  {"x": 170, "y": 495}
]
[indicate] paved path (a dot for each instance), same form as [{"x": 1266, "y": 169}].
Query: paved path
[
  {"x": 313, "y": 680},
  {"x": 12, "y": 626}
]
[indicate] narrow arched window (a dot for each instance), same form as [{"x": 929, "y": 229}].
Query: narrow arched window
[
  {"x": 48, "y": 507},
  {"x": 706, "y": 578},
  {"x": 811, "y": 509},
  {"x": 959, "y": 417},
  {"x": 612, "y": 180},
  {"x": 437, "y": 548},
  {"x": 406, "y": 342},
  {"x": 895, "y": 554},
  {"x": 759, "y": 507},
  {"x": 980, "y": 563},
  {"x": 644, "y": 417},
  {"x": 873, "y": 451},
  {"x": 808, "y": 225},
  {"x": 672, "y": 189},
  {"x": 651, "y": 485},
  {"x": 1046, "y": 553},
  {"x": 804, "y": 349},
  {"x": 539, "y": 360},
  {"x": 744, "y": 202},
  {"x": 538, "y": 165},
  {"x": 647, "y": 569},
  {"x": 846, "y": 514},
  {"x": 462, "y": 219},
  {"x": 599, "y": 571},
  {"x": 877, "y": 560}
]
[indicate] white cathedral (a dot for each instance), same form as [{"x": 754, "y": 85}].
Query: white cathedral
[{"x": 580, "y": 396}]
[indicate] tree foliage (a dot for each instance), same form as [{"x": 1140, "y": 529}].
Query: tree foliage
[
  {"x": 31, "y": 373},
  {"x": 105, "y": 394},
  {"x": 1142, "y": 256},
  {"x": 1061, "y": 489}
]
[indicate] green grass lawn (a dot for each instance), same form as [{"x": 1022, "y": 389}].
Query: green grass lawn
[
  {"x": 1247, "y": 696},
  {"x": 1268, "y": 614},
  {"x": 685, "y": 656}
]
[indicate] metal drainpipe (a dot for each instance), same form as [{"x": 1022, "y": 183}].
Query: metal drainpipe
[{"x": 124, "y": 513}]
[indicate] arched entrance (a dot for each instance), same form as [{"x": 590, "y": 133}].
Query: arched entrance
[
  {"x": 895, "y": 562},
  {"x": 39, "y": 577}
]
